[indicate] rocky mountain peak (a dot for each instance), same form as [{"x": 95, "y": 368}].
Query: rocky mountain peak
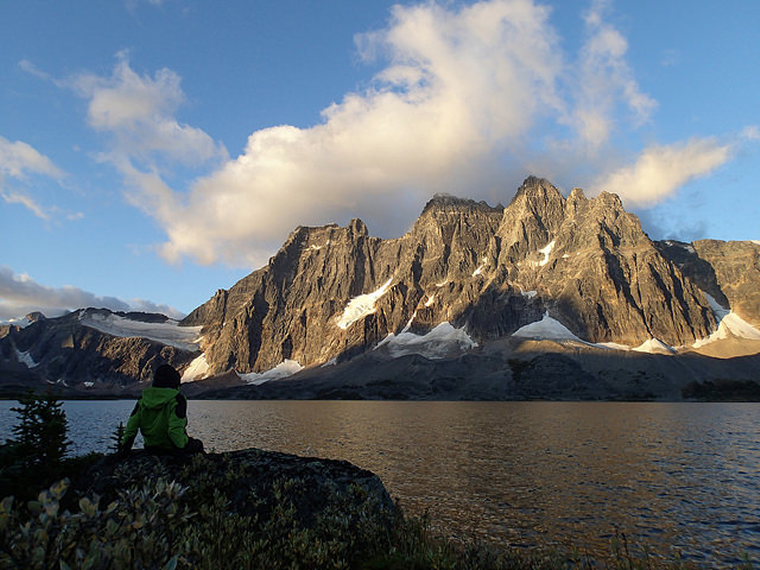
[
  {"x": 443, "y": 202},
  {"x": 334, "y": 292},
  {"x": 535, "y": 190}
]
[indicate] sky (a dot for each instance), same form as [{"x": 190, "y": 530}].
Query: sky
[{"x": 154, "y": 151}]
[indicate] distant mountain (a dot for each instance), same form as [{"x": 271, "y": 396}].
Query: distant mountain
[
  {"x": 549, "y": 297},
  {"x": 92, "y": 351}
]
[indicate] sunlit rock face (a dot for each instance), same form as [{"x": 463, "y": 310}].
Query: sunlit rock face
[{"x": 332, "y": 293}]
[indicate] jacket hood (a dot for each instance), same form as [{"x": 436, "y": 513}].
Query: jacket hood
[{"x": 153, "y": 398}]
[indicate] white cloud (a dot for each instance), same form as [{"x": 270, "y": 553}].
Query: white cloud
[
  {"x": 462, "y": 86},
  {"x": 606, "y": 82},
  {"x": 27, "y": 201},
  {"x": 32, "y": 69},
  {"x": 20, "y": 163},
  {"x": 19, "y": 159},
  {"x": 469, "y": 99},
  {"x": 20, "y": 295},
  {"x": 751, "y": 133},
  {"x": 661, "y": 170},
  {"x": 138, "y": 110}
]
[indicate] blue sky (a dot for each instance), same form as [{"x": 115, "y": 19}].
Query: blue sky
[{"x": 152, "y": 152}]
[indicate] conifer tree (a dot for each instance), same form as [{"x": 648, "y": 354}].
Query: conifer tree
[{"x": 40, "y": 436}]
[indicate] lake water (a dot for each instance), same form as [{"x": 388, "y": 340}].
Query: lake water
[{"x": 675, "y": 478}]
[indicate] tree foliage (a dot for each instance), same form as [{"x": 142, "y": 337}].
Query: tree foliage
[{"x": 35, "y": 455}]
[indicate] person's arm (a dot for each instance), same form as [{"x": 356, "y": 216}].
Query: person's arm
[
  {"x": 130, "y": 432},
  {"x": 178, "y": 422}
]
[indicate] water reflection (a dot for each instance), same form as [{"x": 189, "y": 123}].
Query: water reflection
[{"x": 673, "y": 477}]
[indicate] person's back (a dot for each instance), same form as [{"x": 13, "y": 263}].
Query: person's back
[{"x": 161, "y": 416}]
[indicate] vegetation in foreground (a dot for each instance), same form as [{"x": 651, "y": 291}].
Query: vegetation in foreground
[{"x": 164, "y": 525}]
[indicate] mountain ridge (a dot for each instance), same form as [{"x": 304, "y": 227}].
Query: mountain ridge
[{"x": 466, "y": 277}]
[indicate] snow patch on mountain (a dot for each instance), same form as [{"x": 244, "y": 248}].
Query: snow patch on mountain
[
  {"x": 284, "y": 369},
  {"x": 362, "y": 306},
  {"x": 197, "y": 369},
  {"x": 441, "y": 342},
  {"x": 719, "y": 310},
  {"x": 168, "y": 332},
  {"x": 547, "y": 328},
  {"x": 480, "y": 267},
  {"x": 654, "y": 346},
  {"x": 546, "y": 252},
  {"x": 612, "y": 345},
  {"x": 26, "y": 359},
  {"x": 730, "y": 325}
]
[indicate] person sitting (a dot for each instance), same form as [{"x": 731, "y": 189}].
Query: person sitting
[{"x": 161, "y": 416}]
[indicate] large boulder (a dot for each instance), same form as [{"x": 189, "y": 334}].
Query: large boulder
[{"x": 254, "y": 482}]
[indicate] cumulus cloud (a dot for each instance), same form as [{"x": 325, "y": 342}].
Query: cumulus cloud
[
  {"x": 461, "y": 87},
  {"x": 20, "y": 163},
  {"x": 20, "y": 295},
  {"x": 660, "y": 170},
  {"x": 469, "y": 99},
  {"x": 138, "y": 111}
]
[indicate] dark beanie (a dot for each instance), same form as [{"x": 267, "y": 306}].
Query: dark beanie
[{"x": 166, "y": 376}]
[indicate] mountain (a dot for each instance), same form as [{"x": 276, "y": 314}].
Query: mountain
[
  {"x": 92, "y": 350},
  {"x": 334, "y": 292},
  {"x": 551, "y": 296}
]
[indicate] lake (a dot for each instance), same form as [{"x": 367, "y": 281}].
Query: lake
[{"x": 679, "y": 479}]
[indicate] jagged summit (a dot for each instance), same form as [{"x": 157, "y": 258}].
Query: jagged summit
[
  {"x": 535, "y": 186},
  {"x": 443, "y": 201}
]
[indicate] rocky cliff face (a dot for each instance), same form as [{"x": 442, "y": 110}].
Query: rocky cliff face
[
  {"x": 333, "y": 292},
  {"x": 729, "y": 271}
]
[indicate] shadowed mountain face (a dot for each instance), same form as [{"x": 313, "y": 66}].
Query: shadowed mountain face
[
  {"x": 727, "y": 270},
  {"x": 438, "y": 307},
  {"x": 335, "y": 292}
]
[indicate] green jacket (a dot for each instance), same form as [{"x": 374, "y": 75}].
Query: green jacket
[{"x": 161, "y": 417}]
